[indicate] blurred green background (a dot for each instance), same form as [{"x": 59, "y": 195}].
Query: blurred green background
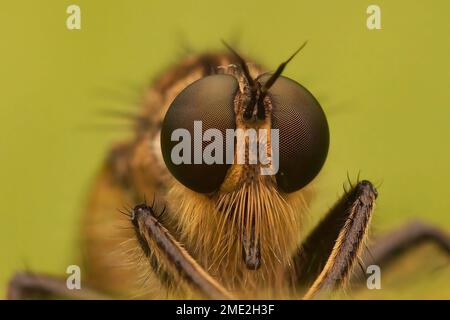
[{"x": 386, "y": 93}]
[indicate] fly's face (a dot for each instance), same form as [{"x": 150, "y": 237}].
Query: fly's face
[{"x": 254, "y": 143}]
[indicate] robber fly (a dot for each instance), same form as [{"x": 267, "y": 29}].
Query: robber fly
[{"x": 222, "y": 230}]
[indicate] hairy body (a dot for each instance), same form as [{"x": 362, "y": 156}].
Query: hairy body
[{"x": 207, "y": 226}]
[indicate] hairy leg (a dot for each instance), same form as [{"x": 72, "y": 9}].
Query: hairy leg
[
  {"x": 326, "y": 258},
  {"x": 157, "y": 242},
  {"x": 404, "y": 238},
  {"x": 28, "y": 285}
]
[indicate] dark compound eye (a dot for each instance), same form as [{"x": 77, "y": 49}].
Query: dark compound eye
[
  {"x": 303, "y": 131},
  {"x": 210, "y": 100}
]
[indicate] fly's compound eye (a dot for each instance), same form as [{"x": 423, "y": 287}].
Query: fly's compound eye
[
  {"x": 303, "y": 133},
  {"x": 205, "y": 104}
]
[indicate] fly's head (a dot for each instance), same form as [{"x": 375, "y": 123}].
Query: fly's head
[{"x": 243, "y": 148}]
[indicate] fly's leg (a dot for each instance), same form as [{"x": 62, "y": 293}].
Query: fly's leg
[
  {"x": 326, "y": 258},
  {"x": 158, "y": 243},
  {"x": 28, "y": 285},
  {"x": 404, "y": 238}
]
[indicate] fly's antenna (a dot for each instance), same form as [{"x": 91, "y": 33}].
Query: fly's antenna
[
  {"x": 279, "y": 70},
  {"x": 242, "y": 63},
  {"x": 248, "y": 112},
  {"x": 269, "y": 83}
]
